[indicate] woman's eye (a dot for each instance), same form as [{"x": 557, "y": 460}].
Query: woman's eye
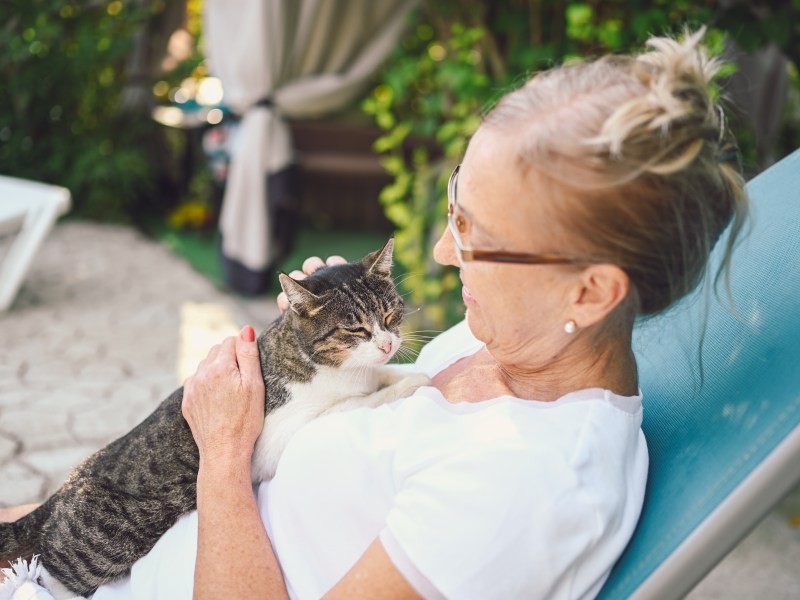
[{"x": 461, "y": 224}]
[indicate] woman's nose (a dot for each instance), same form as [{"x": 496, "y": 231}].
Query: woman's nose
[{"x": 444, "y": 252}]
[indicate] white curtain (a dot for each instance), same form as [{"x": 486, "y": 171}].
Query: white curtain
[{"x": 295, "y": 58}]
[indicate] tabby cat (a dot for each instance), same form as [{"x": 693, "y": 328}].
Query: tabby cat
[{"x": 324, "y": 354}]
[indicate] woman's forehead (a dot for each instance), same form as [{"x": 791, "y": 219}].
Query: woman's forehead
[
  {"x": 492, "y": 173},
  {"x": 501, "y": 193}
]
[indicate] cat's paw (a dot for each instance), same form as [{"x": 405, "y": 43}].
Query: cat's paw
[{"x": 409, "y": 384}]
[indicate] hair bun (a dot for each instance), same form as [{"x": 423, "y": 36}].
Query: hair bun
[
  {"x": 675, "y": 116},
  {"x": 647, "y": 170}
]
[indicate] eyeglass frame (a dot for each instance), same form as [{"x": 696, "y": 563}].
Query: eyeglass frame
[{"x": 495, "y": 256}]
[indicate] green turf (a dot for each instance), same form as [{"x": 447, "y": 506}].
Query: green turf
[{"x": 199, "y": 249}]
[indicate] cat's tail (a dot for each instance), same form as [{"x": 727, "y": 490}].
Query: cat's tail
[{"x": 21, "y": 537}]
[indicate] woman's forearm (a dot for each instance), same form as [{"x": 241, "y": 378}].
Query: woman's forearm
[{"x": 234, "y": 554}]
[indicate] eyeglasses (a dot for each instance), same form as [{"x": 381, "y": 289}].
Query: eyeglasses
[{"x": 459, "y": 229}]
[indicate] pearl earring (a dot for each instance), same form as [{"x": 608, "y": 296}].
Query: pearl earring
[{"x": 570, "y": 326}]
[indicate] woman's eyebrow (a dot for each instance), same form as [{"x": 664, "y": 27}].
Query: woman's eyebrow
[{"x": 465, "y": 212}]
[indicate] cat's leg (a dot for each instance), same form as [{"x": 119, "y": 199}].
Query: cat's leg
[
  {"x": 389, "y": 376},
  {"x": 396, "y": 385},
  {"x": 406, "y": 386}
]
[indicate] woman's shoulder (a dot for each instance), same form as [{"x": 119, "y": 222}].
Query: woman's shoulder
[{"x": 508, "y": 426}]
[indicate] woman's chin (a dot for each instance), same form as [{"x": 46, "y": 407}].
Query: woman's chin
[{"x": 475, "y": 324}]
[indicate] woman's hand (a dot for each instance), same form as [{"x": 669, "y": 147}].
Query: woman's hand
[
  {"x": 310, "y": 265},
  {"x": 224, "y": 405},
  {"x": 223, "y": 402}
]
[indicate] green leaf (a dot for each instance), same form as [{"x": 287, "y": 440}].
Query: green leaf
[
  {"x": 579, "y": 21},
  {"x": 399, "y": 214}
]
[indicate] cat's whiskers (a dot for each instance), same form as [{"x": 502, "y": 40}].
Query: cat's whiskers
[
  {"x": 414, "y": 341},
  {"x": 407, "y": 354},
  {"x": 402, "y": 278},
  {"x": 419, "y": 338}
]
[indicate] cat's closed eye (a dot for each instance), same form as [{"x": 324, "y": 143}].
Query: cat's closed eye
[{"x": 362, "y": 331}]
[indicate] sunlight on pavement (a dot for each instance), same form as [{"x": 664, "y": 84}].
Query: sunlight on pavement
[{"x": 203, "y": 325}]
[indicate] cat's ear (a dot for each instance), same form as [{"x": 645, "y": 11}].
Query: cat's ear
[
  {"x": 380, "y": 261},
  {"x": 301, "y": 301}
]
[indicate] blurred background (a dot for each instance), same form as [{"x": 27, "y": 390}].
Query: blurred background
[
  {"x": 208, "y": 144},
  {"x": 154, "y": 113}
]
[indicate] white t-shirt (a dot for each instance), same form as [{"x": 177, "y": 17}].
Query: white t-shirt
[{"x": 505, "y": 498}]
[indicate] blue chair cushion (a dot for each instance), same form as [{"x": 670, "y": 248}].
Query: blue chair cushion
[{"x": 721, "y": 386}]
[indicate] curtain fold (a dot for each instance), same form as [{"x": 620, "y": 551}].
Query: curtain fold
[{"x": 305, "y": 58}]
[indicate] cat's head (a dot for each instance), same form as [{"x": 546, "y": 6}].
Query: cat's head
[{"x": 347, "y": 315}]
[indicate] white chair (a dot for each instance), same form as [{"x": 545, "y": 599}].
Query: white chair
[{"x": 28, "y": 209}]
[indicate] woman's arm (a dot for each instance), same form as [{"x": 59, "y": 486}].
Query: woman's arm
[
  {"x": 12, "y": 513},
  {"x": 224, "y": 406},
  {"x": 7, "y": 515},
  {"x": 234, "y": 555},
  {"x": 373, "y": 576}
]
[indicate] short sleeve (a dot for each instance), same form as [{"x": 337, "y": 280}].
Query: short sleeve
[{"x": 490, "y": 523}]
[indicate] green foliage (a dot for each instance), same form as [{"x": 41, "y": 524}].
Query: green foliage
[
  {"x": 61, "y": 69},
  {"x": 458, "y": 58},
  {"x": 754, "y": 24}
]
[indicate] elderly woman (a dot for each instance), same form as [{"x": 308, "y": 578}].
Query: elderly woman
[{"x": 589, "y": 197}]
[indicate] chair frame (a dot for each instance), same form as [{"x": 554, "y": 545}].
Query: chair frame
[
  {"x": 727, "y": 525},
  {"x": 28, "y": 209}
]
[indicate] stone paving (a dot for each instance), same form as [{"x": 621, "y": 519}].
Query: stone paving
[
  {"x": 93, "y": 343},
  {"x": 108, "y": 323}
]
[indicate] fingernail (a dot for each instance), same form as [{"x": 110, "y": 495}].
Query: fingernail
[{"x": 248, "y": 334}]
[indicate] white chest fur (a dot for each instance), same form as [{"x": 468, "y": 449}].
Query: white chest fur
[{"x": 330, "y": 390}]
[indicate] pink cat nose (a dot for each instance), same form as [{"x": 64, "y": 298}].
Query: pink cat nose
[{"x": 385, "y": 346}]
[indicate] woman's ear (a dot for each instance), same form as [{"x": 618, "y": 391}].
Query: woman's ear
[{"x": 601, "y": 289}]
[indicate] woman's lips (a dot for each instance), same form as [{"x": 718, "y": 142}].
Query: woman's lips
[{"x": 466, "y": 296}]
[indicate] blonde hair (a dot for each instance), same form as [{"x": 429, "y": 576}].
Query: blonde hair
[{"x": 647, "y": 165}]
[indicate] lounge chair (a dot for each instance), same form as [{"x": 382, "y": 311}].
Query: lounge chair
[
  {"x": 27, "y": 209},
  {"x": 723, "y": 431}
]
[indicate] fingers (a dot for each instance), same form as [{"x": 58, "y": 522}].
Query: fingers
[
  {"x": 247, "y": 356},
  {"x": 335, "y": 260},
  {"x": 283, "y": 302},
  {"x": 226, "y": 357},
  {"x": 217, "y": 356},
  {"x": 248, "y": 334},
  {"x": 311, "y": 264}
]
